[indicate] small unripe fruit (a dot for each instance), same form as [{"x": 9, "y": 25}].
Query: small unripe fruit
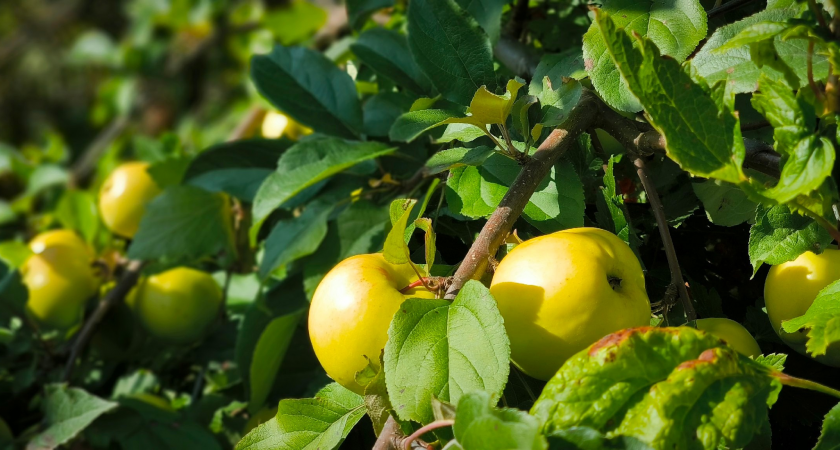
[
  {"x": 124, "y": 196},
  {"x": 59, "y": 278},
  {"x": 176, "y": 306},
  {"x": 735, "y": 335},
  {"x": 562, "y": 292},
  {"x": 351, "y": 312}
]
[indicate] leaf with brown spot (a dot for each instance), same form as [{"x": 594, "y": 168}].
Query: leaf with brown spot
[{"x": 667, "y": 387}]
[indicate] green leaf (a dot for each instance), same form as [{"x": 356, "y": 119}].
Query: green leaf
[
  {"x": 319, "y": 423},
  {"x": 294, "y": 238},
  {"x": 557, "y": 104},
  {"x": 668, "y": 387},
  {"x": 775, "y": 361},
  {"x": 753, "y": 33},
  {"x": 464, "y": 132},
  {"x": 584, "y": 438},
  {"x": 359, "y": 229},
  {"x": 14, "y": 253},
  {"x": 77, "y": 210},
  {"x": 488, "y": 14},
  {"x": 725, "y": 204},
  {"x": 822, "y": 320},
  {"x": 615, "y": 216},
  {"x": 443, "y": 350},
  {"x": 310, "y": 88},
  {"x": 67, "y": 411},
  {"x": 376, "y": 398},
  {"x": 480, "y": 426},
  {"x": 489, "y": 108},
  {"x": 456, "y": 157},
  {"x": 358, "y": 11},
  {"x": 780, "y": 235},
  {"x": 830, "y": 436},
  {"x": 675, "y": 26},
  {"x": 736, "y": 66},
  {"x": 284, "y": 300},
  {"x": 450, "y": 48},
  {"x": 170, "y": 171},
  {"x": 425, "y": 224},
  {"x": 700, "y": 138},
  {"x": 295, "y": 21},
  {"x": 237, "y": 168},
  {"x": 414, "y": 123},
  {"x": 382, "y": 110},
  {"x": 304, "y": 165},
  {"x": 557, "y": 66},
  {"x": 184, "y": 223},
  {"x": 268, "y": 355},
  {"x": 396, "y": 250},
  {"x": 807, "y": 159},
  {"x": 557, "y": 203},
  {"x": 386, "y": 52}
]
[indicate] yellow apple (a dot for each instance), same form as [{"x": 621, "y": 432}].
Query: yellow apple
[
  {"x": 562, "y": 292},
  {"x": 176, "y": 306},
  {"x": 351, "y": 311},
  {"x": 733, "y": 333},
  {"x": 791, "y": 288},
  {"x": 59, "y": 278},
  {"x": 276, "y": 125},
  {"x": 124, "y": 196}
]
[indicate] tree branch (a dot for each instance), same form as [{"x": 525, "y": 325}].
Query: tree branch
[
  {"x": 501, "y": 222},
  {"x": 127, "y": 281},
  {"x": 677, "y": 280},
  {"x": 392, "y": 438}
]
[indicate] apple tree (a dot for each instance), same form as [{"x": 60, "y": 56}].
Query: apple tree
[{"x": 490, "y": 224}]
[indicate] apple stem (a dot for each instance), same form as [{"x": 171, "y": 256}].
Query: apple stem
[
  {"x": 788, "y": 380},
  {"x": 425, "y": 429},
  {"x": 414, "y": 284}
]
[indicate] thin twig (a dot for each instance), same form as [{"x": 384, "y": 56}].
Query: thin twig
[
  {"x": 810, "y": 70},
  {"x": 822, "y": 221},
  {"x": 248, "y": 125},
  {"x": 817, "y": 12},
  {"x": 662, "y": 223},
  {"x": 127, "y": 281},
  {"x": 87, "y": 162},
  {"x": 392, "y": 437},
  {"x": 501, "y": 222}
]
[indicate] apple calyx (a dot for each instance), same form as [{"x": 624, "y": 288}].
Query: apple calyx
[{"x": 615, "y": 282}]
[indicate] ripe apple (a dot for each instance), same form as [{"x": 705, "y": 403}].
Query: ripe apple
[
  {"x": 124, "y": 196},
  {"x": 176, "y": 306},
  {"x": 561, "y": 292},
  {"x": 733, "y": 333},
  {"x": 59, "y": 278},
  {"x": 276, "y": 125},
  {"x": 791, "y": 288},
  {"x": 351, "y": 311}
]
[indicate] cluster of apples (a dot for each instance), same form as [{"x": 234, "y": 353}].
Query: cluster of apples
[
  {"x": 175, "y": 306},
  {"x": 558, "y": 294}
]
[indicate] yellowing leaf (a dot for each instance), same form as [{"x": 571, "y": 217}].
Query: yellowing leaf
[{"x": 487, "y": 107}]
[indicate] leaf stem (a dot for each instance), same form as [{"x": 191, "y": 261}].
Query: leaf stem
[
  {"x": 810, "y": 65},
  {"x": 788, "y": 380},
  {"x": 835, "y": 233},
  {"x": 677, "y": 280},
  {"x": 425, "y": 429}
]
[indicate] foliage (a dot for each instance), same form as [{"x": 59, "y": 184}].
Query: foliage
[{"x": 288, "y": 136}]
